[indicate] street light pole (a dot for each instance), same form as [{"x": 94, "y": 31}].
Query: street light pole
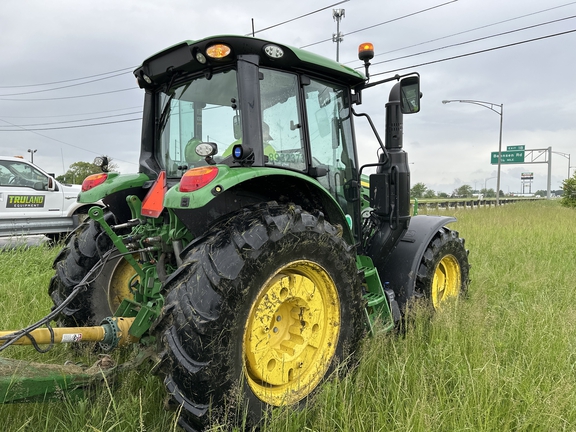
[
  {"x": 490, "y": 106},
  {"x": 485, "y": 181},
  {"x": 567, "y": 156},
  {"x": 32, "y": 154}
]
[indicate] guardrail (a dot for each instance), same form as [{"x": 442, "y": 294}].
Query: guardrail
[{"x": 464, "y": 203}]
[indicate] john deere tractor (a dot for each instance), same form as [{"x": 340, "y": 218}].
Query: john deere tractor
[{"x": 251, "y": 249}]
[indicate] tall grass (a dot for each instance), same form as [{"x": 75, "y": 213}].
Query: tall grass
[{"x": 503, "y": 359}]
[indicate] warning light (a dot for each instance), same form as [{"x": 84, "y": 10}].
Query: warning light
[
  {"x": 197, "y": 178},
  {"x": 366, "y": 51},
  {"x": 93, "y": 180},
  {"x": 218, "y": 51}
]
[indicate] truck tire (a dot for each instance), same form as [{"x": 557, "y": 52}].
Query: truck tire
[
  {"x": 86, "y": 246},
  {"x": 258, "y": 315},
  {"x": 444, "y": 270}
]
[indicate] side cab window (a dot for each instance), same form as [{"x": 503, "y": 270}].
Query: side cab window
[{"x": 331, "y": 138}]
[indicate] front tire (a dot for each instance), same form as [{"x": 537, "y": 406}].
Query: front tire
[
  {"x": 443, "y": 274},
  {"x": 261, "y": 311}
]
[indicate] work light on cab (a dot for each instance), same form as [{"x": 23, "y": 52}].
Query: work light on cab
[
  {"x": 273, "y": 51},
  {"x": 218, "y": 51},
  {"x": 197, "y": 178},
  {"x": 93, "y": 180}
]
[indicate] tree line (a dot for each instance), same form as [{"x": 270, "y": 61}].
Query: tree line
[
  {"x": 420, "y": 190},
  {"x": 78, "y": 171}
]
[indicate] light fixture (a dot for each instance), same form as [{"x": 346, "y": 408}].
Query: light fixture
[
  {"x": 218, "y": 51},
  {"x": 274, "y": 51}
]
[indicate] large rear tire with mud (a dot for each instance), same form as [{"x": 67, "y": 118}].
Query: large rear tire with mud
[
  {"x": 443, "y": 274},
  {"x": 85, "y": 248},
  {"x": 259, "y": 314}
]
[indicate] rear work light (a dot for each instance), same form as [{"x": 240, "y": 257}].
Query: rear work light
[
  {"x": 153, "y": 203},
  {"x": 93, "y": 180},
  {"x": 197, "y": 178}
]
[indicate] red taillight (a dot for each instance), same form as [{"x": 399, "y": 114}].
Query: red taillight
[
  {"x": 153, "y": 203},
  {"x": 93, "y": 181},
  {"x": 197, "y": 178}
]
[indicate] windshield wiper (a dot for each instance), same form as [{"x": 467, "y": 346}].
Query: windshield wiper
[{"x": 164, "y": 116}]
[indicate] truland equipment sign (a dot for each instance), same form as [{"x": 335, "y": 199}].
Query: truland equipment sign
[{"x": 25, "y": 201}]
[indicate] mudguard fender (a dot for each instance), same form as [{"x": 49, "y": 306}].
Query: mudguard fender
[{"x": 401, "y": 268}]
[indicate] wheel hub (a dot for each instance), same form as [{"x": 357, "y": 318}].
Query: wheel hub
[
  {"x": 447, "y": 280},
  {"x": 119, "y": 285},
  {"x": 291, "y": 333}
]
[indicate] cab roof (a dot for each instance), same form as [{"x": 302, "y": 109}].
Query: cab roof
[{"x": 183, "y": 57}]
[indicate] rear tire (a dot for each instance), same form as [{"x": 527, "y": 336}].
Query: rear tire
[
  {"x": 444, "y": 270},
  {"x": 258, "y": 315}
]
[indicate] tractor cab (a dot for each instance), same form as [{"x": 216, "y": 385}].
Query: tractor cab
[
  {"x": 244, "y": 102},
  {"x": 247, "y": 103}
]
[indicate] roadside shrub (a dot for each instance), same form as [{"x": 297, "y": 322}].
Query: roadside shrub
[{"x": 569, "y": 197}]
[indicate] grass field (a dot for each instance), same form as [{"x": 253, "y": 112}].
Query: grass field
[{"x": 504, "y": 359}]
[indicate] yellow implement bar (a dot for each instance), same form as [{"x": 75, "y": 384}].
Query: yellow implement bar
[
  {"x": 115, "y": 332},
  {"x": 61, "y": 335}
]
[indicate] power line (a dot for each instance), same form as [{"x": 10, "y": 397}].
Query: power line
[
  {"x": 70, "y": 97},
  {"x": 71, "y": 79},
  {"x": 382, "y": 23},
  {"x": 470, "y": 30},
  {"x": 68, "y": 127},
  {"x": 76, "y": 121},
  {"x": 472, "y": 41},
  {"x": 297, "y": 18},
  {"x": 71, "y": 115},
  {"x": 475, "y": 52},
  {"x": 63, "y": 142},
  {"x": 63, "y": 87}
]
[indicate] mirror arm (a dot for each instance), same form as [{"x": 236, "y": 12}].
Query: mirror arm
[
  {"x": 394, "y": 78},
  {"x": 373, "y": 130}
]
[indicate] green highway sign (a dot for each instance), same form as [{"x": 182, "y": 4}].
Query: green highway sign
[
  {"x": 512, "y": 148},
  {"x": 508, "y": 157}
]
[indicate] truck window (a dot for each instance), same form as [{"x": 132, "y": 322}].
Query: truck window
[{"x": 22, "y": 175}]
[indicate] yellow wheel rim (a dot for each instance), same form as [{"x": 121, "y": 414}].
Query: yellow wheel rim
[
  {"x": 119, "y": 285},
  {"x": 291, "y": 333},
  {"x": 447, "y": 280}
]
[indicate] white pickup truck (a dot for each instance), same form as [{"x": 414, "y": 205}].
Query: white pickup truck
[{"x": 33, "y": 202}]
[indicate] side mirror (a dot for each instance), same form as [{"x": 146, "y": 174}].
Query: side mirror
[
  {"x": 51, "y": 184},
  {"x": 410, "y": 95}
]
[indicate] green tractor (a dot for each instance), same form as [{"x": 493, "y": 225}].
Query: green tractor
[{"x": 250, "y": 250}]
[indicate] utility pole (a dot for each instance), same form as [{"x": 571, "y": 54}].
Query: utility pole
[{"x": 337, "y": 37}]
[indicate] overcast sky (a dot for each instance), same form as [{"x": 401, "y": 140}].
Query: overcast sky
[{"x": 449, "y": 145}]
